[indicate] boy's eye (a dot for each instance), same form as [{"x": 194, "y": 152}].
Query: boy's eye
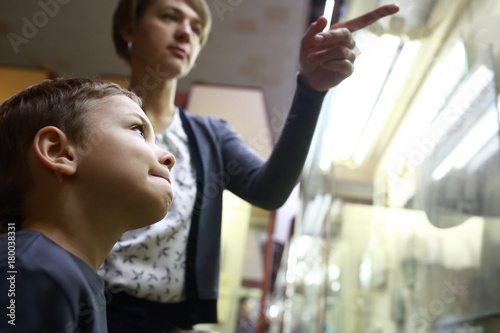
[{"x": 140, "y": 129}]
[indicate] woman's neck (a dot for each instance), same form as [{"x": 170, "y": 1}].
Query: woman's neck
[{"x": 158, "y": 95}]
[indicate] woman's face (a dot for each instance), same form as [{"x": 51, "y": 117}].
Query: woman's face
[{"x": 167, "y": 39}]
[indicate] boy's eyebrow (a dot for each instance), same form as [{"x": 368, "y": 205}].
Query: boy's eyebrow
[{"x": 138, "y": 115}]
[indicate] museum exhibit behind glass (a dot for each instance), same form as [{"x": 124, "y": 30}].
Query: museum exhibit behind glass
[{"x": 429, "y": 265}]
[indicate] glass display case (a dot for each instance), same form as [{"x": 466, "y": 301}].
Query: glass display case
[{"x": 429, "y": 265}]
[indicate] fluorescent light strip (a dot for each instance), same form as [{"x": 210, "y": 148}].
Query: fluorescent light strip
[
  {"x": 350, "y": 112},
  {"x": 326, "y": 159},
  {"x": 442, "y": 79},
  {"x": 477, "y": 137},
  {"x": 328, "y": 13},
  {"x": 466, "y": 94},
  {"x": 384, "y": 104}
]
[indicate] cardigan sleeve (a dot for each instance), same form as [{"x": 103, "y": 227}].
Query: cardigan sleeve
[{"x": 267, "y": 184}]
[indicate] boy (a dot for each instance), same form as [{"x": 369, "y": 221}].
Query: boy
[{"x": 78, "y": 167}]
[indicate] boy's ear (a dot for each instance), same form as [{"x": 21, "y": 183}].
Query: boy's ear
[{"x": 55, "y": 151}]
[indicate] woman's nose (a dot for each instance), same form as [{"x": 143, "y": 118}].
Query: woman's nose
[{"x": 184, "y": 31}]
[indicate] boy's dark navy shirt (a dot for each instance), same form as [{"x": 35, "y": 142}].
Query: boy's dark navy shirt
[{"x": 44, "y": 288}]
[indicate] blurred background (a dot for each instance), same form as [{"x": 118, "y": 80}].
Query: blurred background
[{"x": 394, "y": 225}]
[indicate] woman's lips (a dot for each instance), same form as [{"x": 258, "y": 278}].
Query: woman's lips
[{"x": 179, "y": 51}]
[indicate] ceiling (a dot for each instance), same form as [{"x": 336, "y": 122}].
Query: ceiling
[{"x": 253, "y": 43}]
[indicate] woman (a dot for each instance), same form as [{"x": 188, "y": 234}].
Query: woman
[{"x": 165, "y": 276}]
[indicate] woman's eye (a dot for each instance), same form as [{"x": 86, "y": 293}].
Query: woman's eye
[
  {"x": 169, "y": 16},
  {"x": 140, "y": 129},
  {"x": 196, "y": 29}
]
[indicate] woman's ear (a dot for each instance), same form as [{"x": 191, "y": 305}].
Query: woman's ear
[
  {"x": 127, "y": 34},
  {"x": 55, "y": 151}
]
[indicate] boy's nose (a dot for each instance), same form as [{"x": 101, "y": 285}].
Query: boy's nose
[{"x": 167, "y": 159}]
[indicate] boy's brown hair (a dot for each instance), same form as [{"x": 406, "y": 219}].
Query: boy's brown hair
[
  {"x": 129, "y": 12},
  {"x": 62, "y": 103}
]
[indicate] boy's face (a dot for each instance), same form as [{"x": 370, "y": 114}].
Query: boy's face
[{"x": 123, "y": 173}]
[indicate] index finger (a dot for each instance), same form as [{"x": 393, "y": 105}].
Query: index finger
[{"x": 365, "y": 20}]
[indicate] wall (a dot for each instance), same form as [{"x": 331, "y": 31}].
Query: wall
[
  {"x": 256, "y": 44},
  {"x": 13, "y": 80},
  {"x": 235, "y": 222}
]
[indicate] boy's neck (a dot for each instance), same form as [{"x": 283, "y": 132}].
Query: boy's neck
[{"x": 85, "y": 244}]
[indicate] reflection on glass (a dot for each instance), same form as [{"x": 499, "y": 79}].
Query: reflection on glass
[
  {"x": 431, "y": 267},
  {"x": 472, "y": 144},
  {"x": 457, "y": 171}
]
